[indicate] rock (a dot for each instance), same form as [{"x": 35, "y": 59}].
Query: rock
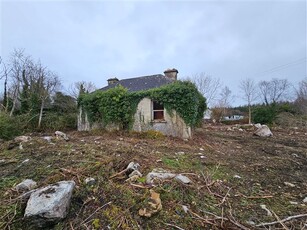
[
  {"x": 289, "y": 184},
  {"x": 60, "y": 134},
  {"x": 185, "y": 208},
  {"x": 25, "y": 161},
  {"x": 26, "y": 185},
  {"x": 202, "y": 157},
  {"x": 50, "y": 204},
  {"x": 179, "y": 153},
  {"x": 22, "y": 138},
  {"x": 182, "y": 179},
  {"x": 201, "y": 149},
  {"x": 133, "y": 166},
  {"x": 293, "y": 202},
  {"x": 258, "y": 125},
  {"x": 47, "y": 138},
  {"x": 250, "y": 222},
  {"x": 263, "y": 131},
  {"x": 237, "y": 176},
  {"x": 161, "y": 174},
  {"x": 305, "y": 200},
  {"x": 90, "y": 181},
  {"x": 154, "y": 205}
]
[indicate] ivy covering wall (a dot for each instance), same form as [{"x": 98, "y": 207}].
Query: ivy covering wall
[{"x": 118, "y": 105}]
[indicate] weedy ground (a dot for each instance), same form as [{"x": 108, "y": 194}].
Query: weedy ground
[{"x": 232, "y": 174}]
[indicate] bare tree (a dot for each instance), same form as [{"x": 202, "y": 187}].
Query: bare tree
[
  {"x": 47, "y": 83},
  {"x": 74, "y": 89},
  {"x": 275, "y": 90},
  {"x": 301, "y": 93},
  {"x": 20, "y": 67},
  {"x": 249, "y": 90},
  {"x": 207, "y": 86},
  {"x": 223, "y": 103}
]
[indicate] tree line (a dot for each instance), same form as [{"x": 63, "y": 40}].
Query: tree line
[
  {"x": 33, "y": 99},
  {"x": 264, "y": 99}
]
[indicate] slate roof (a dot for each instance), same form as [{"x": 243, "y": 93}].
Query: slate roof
[{"x": 141, "y": 83}]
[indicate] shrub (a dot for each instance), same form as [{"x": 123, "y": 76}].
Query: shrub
[{"x": 9, "y": 127}]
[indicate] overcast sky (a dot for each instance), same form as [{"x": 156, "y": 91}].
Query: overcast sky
[{"x": 96, "y": 40}]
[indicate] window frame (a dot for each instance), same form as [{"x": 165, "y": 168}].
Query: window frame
[{"x": 154, "y": 110}]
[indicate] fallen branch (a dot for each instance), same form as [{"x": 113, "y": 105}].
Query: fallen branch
[
  {"x": 141, "y": 186},
  {"x": 224, "y": 198},
  {"x": 282, "y": 221},
  {"x": 119, "y": 173},
  {"x": 174, "y": 226}
]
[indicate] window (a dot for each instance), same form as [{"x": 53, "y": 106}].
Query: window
[{"x": 158, "y": 111}]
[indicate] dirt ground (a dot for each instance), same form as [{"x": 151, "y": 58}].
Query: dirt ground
[{"x": 233, "y": 175}]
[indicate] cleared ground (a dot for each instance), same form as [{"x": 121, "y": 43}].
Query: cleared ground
[{"x": 233, "y": 173}]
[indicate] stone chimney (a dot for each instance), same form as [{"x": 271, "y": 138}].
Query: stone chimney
[
  {"x": 112, "y": 81},
  {"x": 171, "y": 73}
]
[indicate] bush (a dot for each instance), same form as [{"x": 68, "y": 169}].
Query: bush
[{"x": 9, "y": 127}]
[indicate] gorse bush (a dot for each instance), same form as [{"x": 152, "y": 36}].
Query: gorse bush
[{"x": 118, "y": 105}]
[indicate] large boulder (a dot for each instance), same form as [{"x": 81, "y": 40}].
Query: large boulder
[
  {"x": 49, "y": 205},
  {"x": 263, "y": 131}
]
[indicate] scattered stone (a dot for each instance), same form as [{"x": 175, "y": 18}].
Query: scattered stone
[
  {"x": 241, "y": 130},
  {"x": 90, "y": 181},
  {"x": 25, "y": 161},
  {"x": 263, "y": 131},
  {"x": 289, "y": 184},
  {"x": 2, "y": 161},
  {"x": 133, "y": 166},
  {"x": 202, "y": 157},
  {"x": 250, "y": 222},
  {"x": 60, "y": 134},
  {"x": 20, "y": 147},
  {"x": 237, "y": 176},
  {"x": 50, "y": 204},
  {"x": 179, "y": 153},
  {"x": 201, "y": 149},
  {"x": 267, "y": 210},
  {"x": 26, "y": 185},
  {"x": 305, "y": 200},
  {"x": 47, "y": 138},
  {"x": 293, "y": 202},
  {"x": 182, "y": 179},
  {"x": 185, "y": 208},
  {"x": 121, "y": 139},
  {"x": 154, "y": 205},
  {"x": 161, "y": 174},
  {"x": 22, "y": 138}
]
